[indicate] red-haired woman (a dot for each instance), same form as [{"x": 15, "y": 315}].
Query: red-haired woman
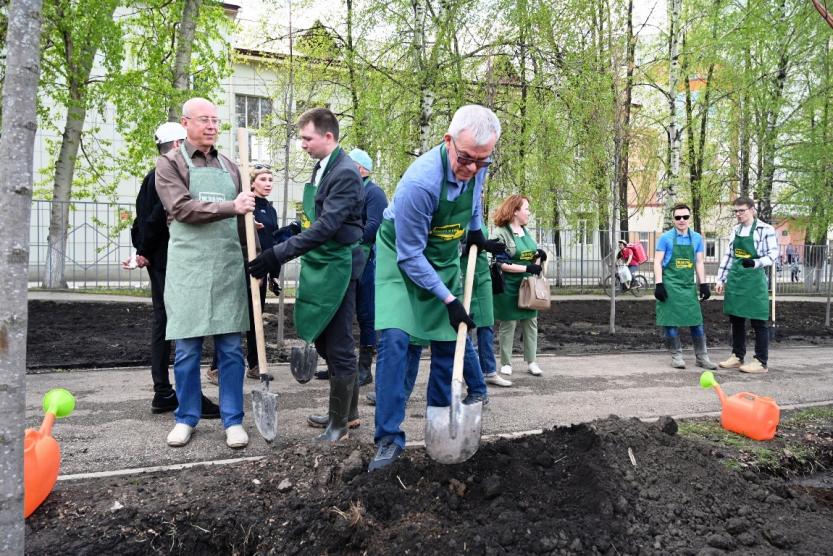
[{"x": 525, "y": 258}]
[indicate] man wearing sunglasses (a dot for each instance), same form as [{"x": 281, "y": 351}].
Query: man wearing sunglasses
[
  {"x": 741, "y": 275},
  {"x": 419, "y": 279},
  {"x": 678, "y": 258}
]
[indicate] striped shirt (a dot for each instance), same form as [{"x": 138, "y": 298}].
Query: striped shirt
[{"x": 766, "y": 246}]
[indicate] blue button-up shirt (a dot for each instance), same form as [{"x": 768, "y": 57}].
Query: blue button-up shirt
[{"x": 414, "y": 202}]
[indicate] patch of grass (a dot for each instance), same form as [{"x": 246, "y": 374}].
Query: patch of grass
[
  {"x": 131, "y": 292},
  {"x": 809, "y": 416}
]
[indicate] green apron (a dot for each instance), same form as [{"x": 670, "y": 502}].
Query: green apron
[
  {"x": 427, "y": 318},
  {"x": 482, "y": 308},
  {"x": 682, "y": 308},
  {"x": 205, "y": 282},
  {"x": 506, "y": 303},
  {"x": 325, "y": 273},
  {"x": 747, "y": 295}
]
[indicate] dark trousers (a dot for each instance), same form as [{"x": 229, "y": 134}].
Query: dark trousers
[
  {"x": 335, "y": 343},
  {"x": 366, "y": 303},
  {"x": 761, "y": 338},
  {"x": 160, "y": 349}
]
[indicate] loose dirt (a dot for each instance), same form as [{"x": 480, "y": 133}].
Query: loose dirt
[
  {"x": 609, "y": 487},
  {"x": 84, "y": 335}
]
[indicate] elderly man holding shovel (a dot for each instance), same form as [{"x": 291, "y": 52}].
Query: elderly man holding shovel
[
  {"x": 419, "y": 277},
  {"x": 205, "y": 283},
  {"x": 332, "y": 260}
]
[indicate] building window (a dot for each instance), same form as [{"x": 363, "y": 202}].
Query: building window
[
  {"x": 252, "y": 112},
  {"x": 645, "y": 239},
  {"x": 785, "y": 233},
  {"x": 711, "y": 244}
]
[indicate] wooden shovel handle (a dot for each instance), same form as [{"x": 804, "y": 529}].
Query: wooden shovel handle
[
  {"x": 251, "y": 248},
  {"x": 462, "y": 330}
]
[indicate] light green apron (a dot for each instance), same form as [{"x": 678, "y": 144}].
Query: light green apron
[
  {"x": 682, "y": 308},
  {"x": 747, "y": 295},
  {"x": 402, "y": 304},
  {"x": 482, "y": 308},
  {"x": 506, "y": 303},
  {"x": 325, "y": 273},
  {"x": 205, "y": 282}
]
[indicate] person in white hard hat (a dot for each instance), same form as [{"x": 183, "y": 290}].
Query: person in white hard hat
[{"x": 149, "y": 235}]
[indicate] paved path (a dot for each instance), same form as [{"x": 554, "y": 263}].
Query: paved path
[{"x": 112, "y": 427}]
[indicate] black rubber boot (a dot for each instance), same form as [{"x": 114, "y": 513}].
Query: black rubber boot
[
  {"x": 364, "y": 366},
  {"x": 353, "y": 421},
  {"x": 341, "y": 396}
]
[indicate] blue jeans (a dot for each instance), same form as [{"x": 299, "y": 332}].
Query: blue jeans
[
  {"x": 187, "y": 375},
  {"x": 696, "y": 331},
  {"x": 486, "y": 350},
  {"x": 396, "y": 370},
  {"x": 366, "y": 303}
]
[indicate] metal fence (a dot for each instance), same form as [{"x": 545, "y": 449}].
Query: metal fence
[{"x": 99, "y": 239}]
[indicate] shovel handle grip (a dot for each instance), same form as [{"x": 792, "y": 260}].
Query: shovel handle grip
[
  {"x": 462, "y": 330},
  {"x": 251, "y": 249}
]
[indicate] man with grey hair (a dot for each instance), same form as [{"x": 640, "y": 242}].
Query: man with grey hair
[{"x": 419, "y": 279}]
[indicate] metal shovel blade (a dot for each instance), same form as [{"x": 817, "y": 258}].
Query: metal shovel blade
[
  {"x": 452, "y": 434},
  {"x": 265, "y": 411},
  {"x": 303, "y": 362}
]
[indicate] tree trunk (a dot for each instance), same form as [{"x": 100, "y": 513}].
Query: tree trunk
[
  {"x": 54, "y": 275},
  {"x": 770, "y": 140},
  {"x": 358, "y": 117},
  {"x": 624, "y": 127},
  {"x": 674, "y": 134},
  {"x": 17, "y": 137},
  {"x": 182, "y": 61}
]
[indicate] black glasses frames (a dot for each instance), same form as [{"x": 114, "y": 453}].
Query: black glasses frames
[
  {"x": 465, "y": 160},
  {"x": 682, "y": 216},
  {"x": 262, "y": 167}
]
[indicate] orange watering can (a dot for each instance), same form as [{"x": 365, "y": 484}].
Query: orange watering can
[
  {"x": 41, "y": 453},
  {"x": 744, "y": 413}
]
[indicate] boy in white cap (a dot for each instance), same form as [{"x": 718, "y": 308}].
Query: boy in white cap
[{"x": 149, "y": 235}]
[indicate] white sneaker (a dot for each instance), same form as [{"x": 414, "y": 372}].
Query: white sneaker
[
  {"x": 498, "y": 380},
  {"x": 506, "y": 370},
  {"x": 236, "y": 436},
  {"x": 180, "y": 435},
  {"x": 534, "y": 369}
]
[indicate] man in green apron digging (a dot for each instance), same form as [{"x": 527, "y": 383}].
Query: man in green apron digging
[
  {"x": 679, "y": 256},
  {"x": 753, "y": 247},
  {"x": 419, "y": 279},
  {"x": 332, "y": 260},
  {"x": 205, "y": 282}
]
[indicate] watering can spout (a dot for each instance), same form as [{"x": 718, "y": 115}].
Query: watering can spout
[{"x": 707, "y": 380}]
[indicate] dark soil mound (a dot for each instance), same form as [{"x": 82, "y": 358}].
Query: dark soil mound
[
  {"x": 611, "y": 487},
  {"x": 72, "y": 335}
]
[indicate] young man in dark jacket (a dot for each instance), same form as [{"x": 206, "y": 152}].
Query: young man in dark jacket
[
  {"x": 149, "y": 235},
  {"x": 332, "y": 261}
]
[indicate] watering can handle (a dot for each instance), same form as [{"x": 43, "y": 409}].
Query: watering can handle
[{"x": 462, "y": 330}]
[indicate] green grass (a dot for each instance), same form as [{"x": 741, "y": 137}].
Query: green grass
[
  {"x": 132, "y": 292},
  {"x": 810, "y": 416}
]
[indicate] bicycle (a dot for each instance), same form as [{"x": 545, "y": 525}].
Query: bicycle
[{"x": 638, "y": 285}]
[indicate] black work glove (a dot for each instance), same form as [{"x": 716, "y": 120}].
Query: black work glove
[
  {"x": 457, "y": 314},
  {"x": 534, "y": 269},
  {"x": 541, "y": 255},
  {"x": 274, "y": 284},
  {"x": 263, "y": 264},
  {"x": 660, "y": 293},
  {"x": 748, "y": 263},
  {"x": 476, "y": 238},
  {"x": 705, "y": 292}
]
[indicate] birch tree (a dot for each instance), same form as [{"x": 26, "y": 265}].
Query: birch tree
[{"x": 17, "y": 137}]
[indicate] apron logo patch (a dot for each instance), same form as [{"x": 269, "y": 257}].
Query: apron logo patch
[
  {"x": 527, "y": 256},
  {"x": 742, "y": 253},
  {"x": 684, "y": 263},
  {"x": 211, "y": 197},
  {"x": 449, "y": 232},
  {"x": 302, "y": 216}
]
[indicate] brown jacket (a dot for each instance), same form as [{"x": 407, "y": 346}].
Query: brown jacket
[{"x": 172, "y": 185}]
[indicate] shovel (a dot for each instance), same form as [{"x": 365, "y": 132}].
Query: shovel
[
  {"x": 452, "y": 434},
  {"x": 303, "y": 362},
  {"x": 264, "y": 402}
]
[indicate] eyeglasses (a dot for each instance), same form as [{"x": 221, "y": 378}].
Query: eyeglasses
[
  {"x": 466, "y": 160},
  {"x": 740, "y": 211},
  {"x": 682, "y": 216},
  {"x": 262, "y": 167},
  {"x": 205, "y": 120}
]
